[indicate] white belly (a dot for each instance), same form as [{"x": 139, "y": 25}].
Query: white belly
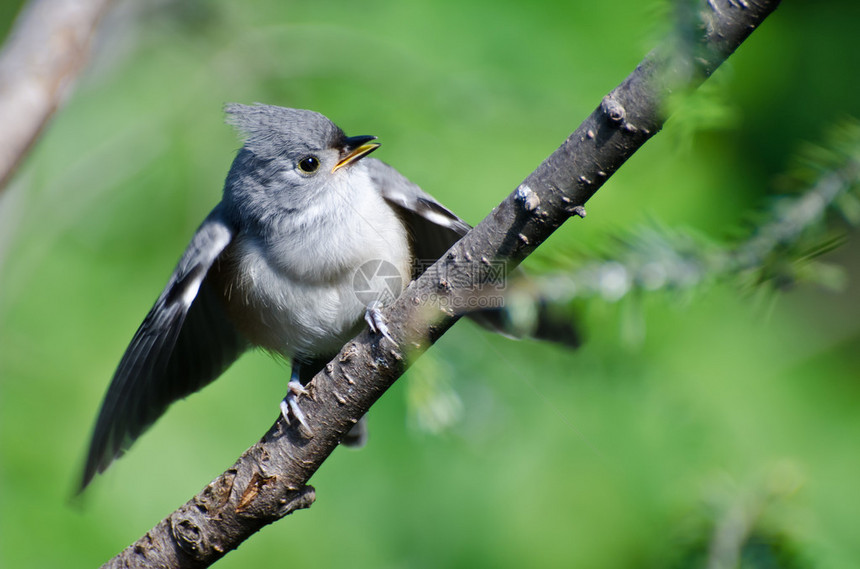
[{"x": 305, "y": 295}]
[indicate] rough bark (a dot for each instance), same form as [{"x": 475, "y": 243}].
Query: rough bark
[{"x": 270, "y": 479}]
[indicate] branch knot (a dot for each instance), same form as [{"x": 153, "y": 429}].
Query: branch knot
[{"x": 613, "y": 109}]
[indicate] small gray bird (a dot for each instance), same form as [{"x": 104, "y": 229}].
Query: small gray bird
[{"x": 309, "y": 239}]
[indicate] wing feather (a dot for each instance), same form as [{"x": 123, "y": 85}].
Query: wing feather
[
  {"x": 184, "y": 343},
  {"x": 433, "y": 228}
]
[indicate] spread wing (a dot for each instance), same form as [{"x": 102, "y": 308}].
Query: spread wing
[
  {"x": 183, "y": 344},
  {"x": 434, "y": 229}
]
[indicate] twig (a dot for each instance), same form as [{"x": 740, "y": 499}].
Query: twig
[
  {"x": 269, "y": 479},
  {"x": 46, "y": 50}
]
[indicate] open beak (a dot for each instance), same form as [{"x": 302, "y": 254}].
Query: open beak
[{"x": 354, "y": 148}]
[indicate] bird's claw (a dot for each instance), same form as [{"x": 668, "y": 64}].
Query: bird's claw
[
  {"x": 290, "y": 406},
  {"x": 374, "y": 318}
]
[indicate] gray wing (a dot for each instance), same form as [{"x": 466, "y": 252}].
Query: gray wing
[
  {"x": 433, "y": 228},
  {"x": 183, "y": 344}
]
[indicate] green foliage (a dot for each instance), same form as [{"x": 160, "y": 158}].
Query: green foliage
[
  {"x": 547, "y": 458},
  {"x": 780, "y": 248}
]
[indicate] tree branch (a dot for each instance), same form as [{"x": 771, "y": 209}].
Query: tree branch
[
  {"x": 269, "y": 479},
  {"x": 46, "y": 50}
]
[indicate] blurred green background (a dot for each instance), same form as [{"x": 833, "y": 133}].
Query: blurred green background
[{"x": 489, "y": 453}]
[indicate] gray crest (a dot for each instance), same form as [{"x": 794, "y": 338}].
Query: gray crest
[{"x": 272, "y": 131}]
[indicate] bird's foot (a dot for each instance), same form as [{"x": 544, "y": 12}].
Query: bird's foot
[
  {"x": 376, "y": 321},
  {"x": 290, "y": 405}
]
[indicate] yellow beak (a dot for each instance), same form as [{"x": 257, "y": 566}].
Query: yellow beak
[{"x": 355, "y": 148}]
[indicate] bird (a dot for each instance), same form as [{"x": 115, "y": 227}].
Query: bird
[{"x": 310, "y": 239}]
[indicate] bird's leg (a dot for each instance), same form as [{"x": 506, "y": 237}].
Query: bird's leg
[
  {"x": 374, "y": 318},
  {"x": 289, "y": 405}
]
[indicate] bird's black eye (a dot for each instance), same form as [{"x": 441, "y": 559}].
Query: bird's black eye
[{"x": 309, "y": 164}]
